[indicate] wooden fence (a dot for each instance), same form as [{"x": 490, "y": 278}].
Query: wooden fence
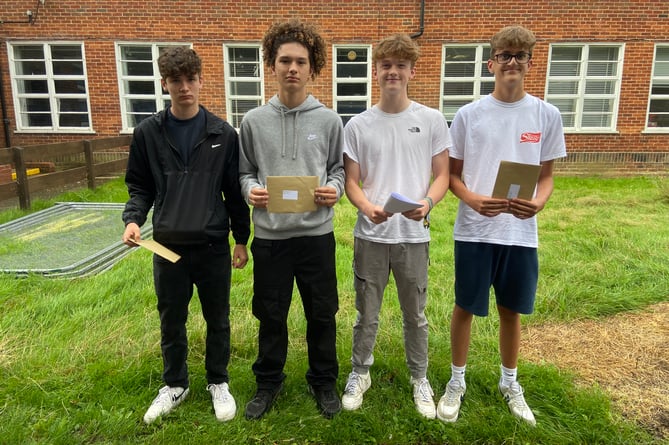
[{"x": 23, "y": 157}]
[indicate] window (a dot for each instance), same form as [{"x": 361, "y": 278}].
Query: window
[
  {"x": 50, "y": 87},
  {"x": 464, "y": 77},
  {"x": 658, "y": 104},
  {"x": 352, "y": 80},
  {"x": 584, "y": 83},
  {"x": 139, "y": 82},
  {"x": 244, "y": 86}
]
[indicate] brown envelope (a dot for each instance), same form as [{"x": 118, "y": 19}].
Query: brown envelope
[
  {"x": 291, "y": 194},
  {"x": 516, "y": 180}
]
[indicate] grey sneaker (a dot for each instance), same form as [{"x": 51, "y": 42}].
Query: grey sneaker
[
  {"x": 356, "y": 386},
  {"x": 449, "y": 404},
  {"x": 167, "y": 399},
  {"x": 423, "y": 397},
  {"x": 513, "y": 394},
  {"x": 224, "y": 404}
]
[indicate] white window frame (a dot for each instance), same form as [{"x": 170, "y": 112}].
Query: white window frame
[
  {"x": 336, "y": 81},
  {"x": 160, "y": 97},
  {"x": 480, "y": 77},
  {"x": 52, "y": 95},
  {"x": 581, "y": 80},
  {"x": 232, "y": 114},
  {"x": 655, "y": 77}
]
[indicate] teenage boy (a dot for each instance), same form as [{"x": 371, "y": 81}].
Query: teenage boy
[
  {"x": 183, "y": 161},
  {"x": 397, "y": 146},
  {"x": 293, "y": 135},
  {"x": 496, "y": 240}
]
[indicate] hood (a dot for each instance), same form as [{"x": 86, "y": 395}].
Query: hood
[{"x": 310, "y": 103}]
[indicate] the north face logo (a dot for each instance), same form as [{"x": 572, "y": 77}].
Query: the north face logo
[{"x": 530, "y": 137}]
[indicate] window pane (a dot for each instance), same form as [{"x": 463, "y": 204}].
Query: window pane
[
  {"x": 348, "y": 70},
  {"x": 662, "y": 69},
  {"x": 72, "y": 105},
  {"x": 460, "y": 54},
  {"x": 562, "y": 87},
  {"x": 70, "y": 86},
  {"x": 596, "y": 120},
  {"x": 29, "y": 52},
  {"x": 351, "y": 106},
  {"x": 35, "y": 104},
  {"x": 245, "y": 88},
  {"x": 141, "y": 106},
  {"x": 662, "y": 54},
  {"x": 607, "y": 53},
  {"x": 450, "y": 107},
  {"x": 602, "y": 69},
  {"x": 36, "y": 119},
  {"x": 565, "y": 53},
  {"x": 243, "y": 54},
  {"x": 352, "y": 55},
  {"x": 244, "y": 70},
  {"x": 568, "y": 120},
  {"x": 242, "y": 106},
  {"x": 65, "y": 68},
  {"x": 600, "y": 105},
  {"x": 30, "y": 68},
  {"x": 570, "y": 69},
  {"x": 599, "y": 87},
  {"x": 458, "y": 88},
  {"x": 136, "y": 53},
  {"x": 659, "y": 105},
  {"x": 486, "y": 88},
  {"x": 32, "y": 86},
  {"x": 73, "y": 120},
  {"x": 139, "y": 87},
  {"x": 351, "y": 89},
  {"x": 70, "y": 52},
  {"x": 459, "y": 70},
  {"x": 564, "y": 105},
  {"x": 138, "y": 69}
]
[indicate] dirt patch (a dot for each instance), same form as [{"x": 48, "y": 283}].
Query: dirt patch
[{"x": 627, "y": 355}]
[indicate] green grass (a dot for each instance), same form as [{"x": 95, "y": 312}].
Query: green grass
[{"x": 80, "y": 359}]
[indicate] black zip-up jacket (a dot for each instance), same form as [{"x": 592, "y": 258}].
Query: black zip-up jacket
[{"x": 195, "y": 203}]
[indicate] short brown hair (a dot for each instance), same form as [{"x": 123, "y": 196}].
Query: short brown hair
[
  {"x": 177, "y": 60},
  {"x": 299, "y": 32},
  {"x": 400, "y": 46},
  {"x": 513, "y": 36}
]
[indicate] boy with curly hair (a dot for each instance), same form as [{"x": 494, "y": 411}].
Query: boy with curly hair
[{"x": 293, "y": 135}]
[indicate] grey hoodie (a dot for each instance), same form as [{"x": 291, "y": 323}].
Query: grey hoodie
[{"x": 303, "y": 141}]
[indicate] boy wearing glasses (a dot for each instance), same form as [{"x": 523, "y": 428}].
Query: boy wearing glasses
[{"x": 496, "y": 240}]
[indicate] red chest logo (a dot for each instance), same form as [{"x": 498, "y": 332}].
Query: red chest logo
[{"x": 530, "y": 137}]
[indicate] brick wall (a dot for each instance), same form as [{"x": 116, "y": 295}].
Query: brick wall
[{"x": 209, "y": 24}]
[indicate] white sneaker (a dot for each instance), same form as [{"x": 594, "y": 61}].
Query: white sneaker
[
  {"x": 422, "y": 397},
  {"x": 224, "y": 404},
  {"x": 356, "y": 385},
  {"x": 167, "y": 399},
  {"x": 513, "y": 394},
  {"x": 449, "y": 404}
]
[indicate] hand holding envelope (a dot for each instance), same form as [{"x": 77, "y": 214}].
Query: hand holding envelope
[{"x": 291, "y": 194}]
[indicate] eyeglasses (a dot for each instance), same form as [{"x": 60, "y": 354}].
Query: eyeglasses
[{"x": 505, "y": 58}]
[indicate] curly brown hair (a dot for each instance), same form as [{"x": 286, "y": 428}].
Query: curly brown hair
[
  {"x": 295, "y": 31},
  {"x": 177, "y": 60}
]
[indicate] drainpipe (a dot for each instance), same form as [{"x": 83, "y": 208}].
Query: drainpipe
[
  {"x": 3, "y": 105},
  {"x": 422, "y": 21}
]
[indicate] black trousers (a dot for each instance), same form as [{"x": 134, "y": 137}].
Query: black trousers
[
  {"x": 309, "y": 262},
  {"x": 208, "y": 268}
]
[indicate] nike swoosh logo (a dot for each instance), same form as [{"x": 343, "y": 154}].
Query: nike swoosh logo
[
  {"x": 175, "y": 397},
  {"x": 215, "y": 145}
]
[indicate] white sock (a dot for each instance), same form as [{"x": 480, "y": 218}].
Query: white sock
[
  {"x": 508, "y": 375},
  {"x": 458, "y": 373}
]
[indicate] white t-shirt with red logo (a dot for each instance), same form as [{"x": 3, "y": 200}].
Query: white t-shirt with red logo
[{"x": 488, "y": 131}]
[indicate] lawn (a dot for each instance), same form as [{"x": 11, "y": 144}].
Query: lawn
[{"x": 80, "y": 358}]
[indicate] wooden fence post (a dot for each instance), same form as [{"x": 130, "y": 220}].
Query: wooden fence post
[
  {"x": 22, "y": 188},
  {"x": 90, "y": 172}
]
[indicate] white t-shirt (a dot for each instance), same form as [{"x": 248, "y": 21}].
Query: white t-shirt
[
  {"x": 488, "y": 131},
  {"x": 394, "y": 152}
]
